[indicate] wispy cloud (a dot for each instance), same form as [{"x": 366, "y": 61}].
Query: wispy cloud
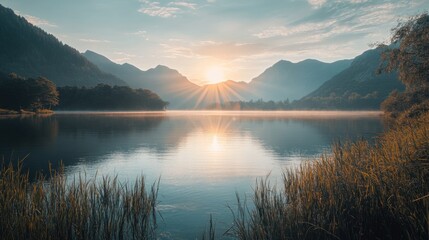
[
  {"x": 154, "y": 9},
  {"x": 37, "y": 21},
  {"x": 285, "y": 31},
  {"x": 335, "y": 19},
  {"x": 122, "y": 57},
  {"x": 171, "y": 9},
  {"x": 192, "y": 6},
  {"x": 140, "y": 33},
  {"x": 174, "y": 50},
  {"x": 89, "y": 40},
  {"x": 229, "y": 51},
  {"x": 316, "y": 3}
]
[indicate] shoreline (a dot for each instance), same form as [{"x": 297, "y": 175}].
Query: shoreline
[
  {"x": 7, "y": 112},
  {"x": 191, "y": 113}
]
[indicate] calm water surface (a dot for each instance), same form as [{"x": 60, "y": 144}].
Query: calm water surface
[{"x": 203, "y": 158}]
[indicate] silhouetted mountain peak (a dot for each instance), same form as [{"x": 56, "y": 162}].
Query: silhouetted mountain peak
[
  {"x": 166, "y": 82},
  {"x": 294, "y": 80},
  {"x": 281, "y": 63},
  {"x": 89, "y": 53},
  {"x": 130, "y": 67},
  {"x": 162, "y": 68},
  {"x": 311, "y": 61}
]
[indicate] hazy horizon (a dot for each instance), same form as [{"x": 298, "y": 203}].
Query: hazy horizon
[{"x": 216, "y": 39}]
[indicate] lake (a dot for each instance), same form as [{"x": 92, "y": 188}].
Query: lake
[{"x": 202, "y": 158}]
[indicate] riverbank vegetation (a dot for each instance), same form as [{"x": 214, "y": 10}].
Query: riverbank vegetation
[
  {"x": 360, "y": 190},
  {"x": 349, "y": 101},
  {"x": 19, "y": 95},
  {"x": 81, "y": 208},
  {"x": 26, "y": 96},
  {"x": 105, "y": 97}
]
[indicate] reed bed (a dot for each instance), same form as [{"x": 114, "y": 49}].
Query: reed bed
[
  {"x": 360, "y": 191},
  {"x": 81, "y": 208}
]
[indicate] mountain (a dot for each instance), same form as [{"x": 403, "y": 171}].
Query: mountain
[
  {"x": 168, "y": 83},
  {"x": 29, "y": 51},
  {"x": 294, "y": 80},
  {"x": 283, "y": 80},
  {"x": 358, "y": 86}
]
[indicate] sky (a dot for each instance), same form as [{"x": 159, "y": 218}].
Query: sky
[{"x": 209, "y": 39}]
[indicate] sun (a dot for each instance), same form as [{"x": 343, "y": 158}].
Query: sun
[{"x": 215, "y": 74}]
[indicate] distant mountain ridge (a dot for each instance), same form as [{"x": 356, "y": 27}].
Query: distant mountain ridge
[
  {"x": 167, "y": 83},
  {"x": 281, "y": 81},
  {"x": 29, "y": 51},
  {"x": 294, "y": 80},
  {"x": 359, "y": 83}
]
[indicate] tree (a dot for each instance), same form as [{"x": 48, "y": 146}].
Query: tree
[
  {"x": 411, "y": 60},
  {"x": 44, "y": 93},
  {"x": 106, "y": 97},
  {"x": 18, "y": 93}
]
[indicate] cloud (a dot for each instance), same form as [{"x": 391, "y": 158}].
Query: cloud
[
  {"x": 88, "y": 40},
  {"x": 172, "y": 9},
  {"x": 178, "y": 48},
  {"x": 177, "y": 51},
  {"x": 358, "y": 1},
  {"x": 125, "y": 54},
  {"x": 122, "y": 57},
  {"x": 38, "y": 21},
  {"x": 335, "y": 19},
  {"x": 140, "y": 33},
  {"x": 335, "y": 30},
  {"x": 192, "y": 6},
  {"x": 228, "y": 50},
  {"x": 316, "y": 3},
  {"x": 285, "y": 31}
]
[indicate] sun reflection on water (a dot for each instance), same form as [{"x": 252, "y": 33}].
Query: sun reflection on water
[{"x": 215, "y": 146}]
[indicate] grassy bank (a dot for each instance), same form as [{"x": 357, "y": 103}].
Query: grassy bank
[
  {"x": 79, "y": 209},
  {"x": 360, "y": 191}
]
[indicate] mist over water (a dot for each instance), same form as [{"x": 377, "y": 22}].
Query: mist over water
[{"x": 203, "y": 158}]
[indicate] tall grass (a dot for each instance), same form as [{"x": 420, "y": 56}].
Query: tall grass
[
  {"x": 360, "y": 191},
  {"x": 78, "y": 209},
  {"x": 210, "y": 231}
]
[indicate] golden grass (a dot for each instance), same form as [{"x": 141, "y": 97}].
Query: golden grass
[
  {"x": 77, "y": 209},
  {"x": 360, "y": 191},
  {"x": 44, "y": 111}
]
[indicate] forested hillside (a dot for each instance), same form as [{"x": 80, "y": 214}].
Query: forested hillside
[{"x": 29, "y": 51}]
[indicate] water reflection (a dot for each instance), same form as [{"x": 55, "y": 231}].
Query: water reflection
[{"x": 202, "y": 158}]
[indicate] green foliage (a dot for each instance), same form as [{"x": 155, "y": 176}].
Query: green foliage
[
  {"x": 56, "y": 208},
  {"x": 398, "y": 103},
  {"x": 360, "y": 191},
  {"x": 411, "y": 60},
  {"x": 105, "y": 97},
  {"x": 34, "y": 93},
  {"x": 347, "y": 101}
]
